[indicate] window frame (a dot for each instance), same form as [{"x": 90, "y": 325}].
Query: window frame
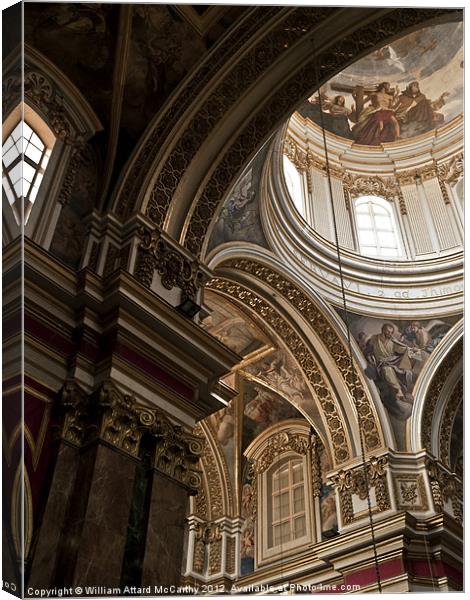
[
  {"x": 291, "y": 462},
  {"x": 371, "y": 200},
  {"x": 23, "y": 114}
]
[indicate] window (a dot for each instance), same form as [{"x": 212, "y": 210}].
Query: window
[
  {"x": 24, "y": 158},
  {"x": 376, "y": 228},
  {"x": 287, "y": 491},
  {"x": 294, "y": 185}
]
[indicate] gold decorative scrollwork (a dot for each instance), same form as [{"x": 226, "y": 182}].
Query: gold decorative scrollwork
[
  {"x": 277, "y": 444},
  {"x": 300, "y": 351},
  {"x": 301, "y": 302},
  {"x": 434, "y": 391}
]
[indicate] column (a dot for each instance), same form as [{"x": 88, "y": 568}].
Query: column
[
  {"x": 175, "y": 478},
  {"x": 71, "y": 434}
]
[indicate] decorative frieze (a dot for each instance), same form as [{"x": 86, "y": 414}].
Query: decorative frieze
[
  {"x": 447, "y": 422},
  {"x": 434, "y": 391}
]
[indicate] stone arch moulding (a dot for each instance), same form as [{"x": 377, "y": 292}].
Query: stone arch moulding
[
  {"x": 255, "y": 267},
  {"x": 68, "y": 115},
  {"x": 204, "y": 144},
  {"x": 441, "y": 371},
  {"x": 280, "y": 302},
  {"x": 220, "y": 494}
]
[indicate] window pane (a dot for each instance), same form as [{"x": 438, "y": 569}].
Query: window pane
[
  {"x": 284, "y": 478},
  {"x": 15, "y": 173},
  {"x": 18, "y": 187},
  {"x": 364, "y": 221},
  {"x": 8, "y": 144},
  {"x": 299, "y": 527},
  {"x": 299, "y": 504},
  {"x": 369, "y": 250},
  {"x": 10, "y": 156},
  {"x": 362, "y": 208},
  {"x": 33, "y": 153},
  {"x": 389, "y": 252},
  {"x": 378, "y": 210},
  {"x": 384, "y": 223},
  {"x": 277, "y": 535},
  {"x": 297, "y": 473},
  {"x": 37, "y": 141},
  {"x": 387, "y": 240},
  {"x": 16, "y": 133},
  {"x": 285, "y": 532},
  {"x": 366, "y": 238},
  {"x": 27, "y": 131},
  {"x": 28, "y": 172},
  {"x": 284, "y": 504}
]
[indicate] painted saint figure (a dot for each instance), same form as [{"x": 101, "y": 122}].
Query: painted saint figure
[
  {"x": 416, "y": 113},
  {"x": 390, "y": 367}
]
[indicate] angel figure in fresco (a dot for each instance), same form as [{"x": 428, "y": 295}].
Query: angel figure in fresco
[
  {"x": 416, "y": 113},
  {"x": 389, "y": 365}
]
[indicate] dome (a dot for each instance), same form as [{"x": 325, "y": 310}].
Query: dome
[{"x": 374, "y": 162}]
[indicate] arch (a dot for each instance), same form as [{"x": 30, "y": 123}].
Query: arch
[
  {"x": 256, "y": 269},
  {"x": 219, "y": 492},
  {"x": 321, "y": 352},
  {"x": 179, "y": 183},
  {"x": 429, "y": 390}
]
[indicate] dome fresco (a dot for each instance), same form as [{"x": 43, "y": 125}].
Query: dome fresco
[{"x": 402, "y": 90}]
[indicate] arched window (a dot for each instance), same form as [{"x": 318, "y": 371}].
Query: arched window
[
  {"x": 25, "y": 157},
  {"x": 376, "y": 228},
  {"x": 287, "y": 516}
]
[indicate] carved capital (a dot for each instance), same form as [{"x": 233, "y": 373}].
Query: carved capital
[
  {"x": 75, "y": 412},
  {"x": 120, "y": 423},
  {"x": 177, "y": 453},
  {"x": 446, "y": 488},
  {"x": 359, "y": 481}
]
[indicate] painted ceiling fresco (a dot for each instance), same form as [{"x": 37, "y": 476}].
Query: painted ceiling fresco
[
  {"x": 402, "y": 90},
  {"x": 395, "y": 352}
]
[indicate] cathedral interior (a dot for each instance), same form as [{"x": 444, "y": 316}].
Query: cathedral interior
[{"x": 240, "y": 232}]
